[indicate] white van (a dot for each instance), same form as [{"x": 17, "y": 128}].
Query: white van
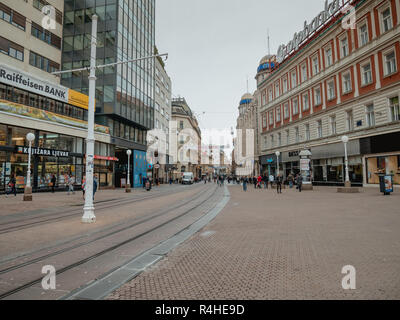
[{"x": 187, "y": 178}]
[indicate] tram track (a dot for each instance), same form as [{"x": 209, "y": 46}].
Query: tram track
[
  {"x": 208, "y": 194},
  {"x": 59, "y": 216}
]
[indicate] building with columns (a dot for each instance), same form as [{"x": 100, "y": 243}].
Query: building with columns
[{"x": 340, "y": 81}]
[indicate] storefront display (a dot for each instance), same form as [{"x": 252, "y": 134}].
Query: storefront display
[{"x": 389, "y": 165}]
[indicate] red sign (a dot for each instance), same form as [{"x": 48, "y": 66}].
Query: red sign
[{"x": 106, "y": 158}]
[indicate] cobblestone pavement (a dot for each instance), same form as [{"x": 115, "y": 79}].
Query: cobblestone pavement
[
  {"x": 289, "y": 246},
  {"x": 45, "y": 200}
]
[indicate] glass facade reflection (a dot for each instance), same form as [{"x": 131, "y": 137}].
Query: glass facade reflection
[{"x": 126, "y": 30}]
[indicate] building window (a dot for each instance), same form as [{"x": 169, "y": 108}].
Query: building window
[
  {"x": 387, "y": 20},
  {"x": 157, "y": 89},
  {"x": 286, "y": 110},
  {"x": 272, "y": 141},
  {"x": 308, "y": 136},
  {"x": 328, "y": 57},
  {"x": 11, "y": 49},
  {"x": 46, "y": 36},
  {"x": 297, "y": 134},
  {"x": 349, "y": 120},
  {"x": 366, "y": 74},
  {"x": 370, "y": 115},
  {"x": 271, "y": 118},
  {"x": 277, "y": 93},
  {"x": 264, "y": 120},
  {"x": 306, "y": 105},
  {"x": 43, "y": 63},
  {"x": 13, "y": 17},
  {"x": 287, "y": 137},
  {"x": 390, "y": 63},
  {"x": 304, "y": 72},
  {"x": 181, "y": 125},
  {"x": 344, "y": 47},
  {"x": 394, "y": 108},
  {"x": 315, "y": 65},
  {"x": 331, "y": 90},
  {"x": 278, "y": 114},
  {"x": 295, "y": 106},
  {"x": 319, "y": 128},
  {"x": 317, "y": 92},
  {"x": 294, "y": 79},
  {"x": 333, "y": 124},
  {"x": 265, "y": 142},
  {"x": 270, "y": 95},
  {"x": 264, "y": 99},
  {"x": 346, "y": 83},
  {"x": 279, "y": 139},
  {"x": 39, "y": 4},
  {"x": 363, "y": 35},
  {"x": 285, "y": 85}
]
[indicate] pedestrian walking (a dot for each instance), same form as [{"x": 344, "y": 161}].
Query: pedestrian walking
[
  {"x": 271, "y": 180},
  {"x": 290, "y": 179},
  {"x": 11, "y": 186},
  {"x": 83, "y": 186},
  {"x": 279, "y": 181},
  {"x": 71, "y": 182},
  {"x": 95, "y": 184},
  {"x": 300, "y": 182},
  {"x": 259, "y": 180},
  {"x": 53, "y": 183},
  {"x": 244, "y": 184}
]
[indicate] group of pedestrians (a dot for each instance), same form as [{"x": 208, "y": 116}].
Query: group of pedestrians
[{"x": 278, "y": 181}]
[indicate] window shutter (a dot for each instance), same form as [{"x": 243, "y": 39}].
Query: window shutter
[{"x": 19, "y": 19}]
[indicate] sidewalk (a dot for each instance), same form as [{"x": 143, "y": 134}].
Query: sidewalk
[
  {"x": 289, "y": 246},
  {"x": 47, "y": 200}
]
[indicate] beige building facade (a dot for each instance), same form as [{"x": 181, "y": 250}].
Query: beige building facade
[
  {"x": 187, "y": 155},
  {"x": 24, "y": 43}
]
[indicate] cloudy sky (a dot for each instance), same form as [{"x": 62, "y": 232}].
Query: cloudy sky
[{"x": 215, "y": 45}]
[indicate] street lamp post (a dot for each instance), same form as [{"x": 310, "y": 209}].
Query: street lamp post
[
  {"x": 128, "y": 184},
  {"x": 345, "y": 140},
  {"x": 88, "y": 215},
  {"x": 28, "y": 188},
  {"x": 277, "y": 161}
]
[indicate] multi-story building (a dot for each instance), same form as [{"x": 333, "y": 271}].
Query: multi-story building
[
  {"x": 124, "y": 93},
  {"x": 246, "y": 146},
  {"x": 187, "y": 154},
  {"x": 339, "y": 81},
  {"x": 162, "y": 116},
  {"x": 32, "y": 101},
  {"x": 24, "y": 43}
]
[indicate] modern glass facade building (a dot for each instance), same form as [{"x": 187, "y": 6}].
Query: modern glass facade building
[{"x": 124, "y": 94}]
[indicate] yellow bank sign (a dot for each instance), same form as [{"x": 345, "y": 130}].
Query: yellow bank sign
[{"x": 78, "y": 99}]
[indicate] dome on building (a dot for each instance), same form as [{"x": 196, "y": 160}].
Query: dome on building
[
  {"x": 267, "y": 63},
  {"x": 246, "y": 98}
]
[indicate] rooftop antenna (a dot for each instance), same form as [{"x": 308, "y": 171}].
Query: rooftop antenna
[
  {"x": 269, "y": 48},
  {"x": 247, "y": 83}
]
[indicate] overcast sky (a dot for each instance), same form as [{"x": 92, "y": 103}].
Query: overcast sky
[{"x": 214, "y": 45}]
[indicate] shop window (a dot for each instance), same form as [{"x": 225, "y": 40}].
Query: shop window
[
  {"x": 398, "y": 163},
  {"x": 394, "y": 108},
  {"x": 18, "y": 136},
  {"x": 381, "y": 163},
  {"x": 3, "y": 135},
  {"x": 5, "y": 92},
  {"x": 20, "y": 96}
]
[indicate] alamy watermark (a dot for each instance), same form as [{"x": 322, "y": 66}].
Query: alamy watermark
[
  {"x": 349, "y": 280},
  {"x": 49, "y": 20},
  {"x": 49, "y": 280}
]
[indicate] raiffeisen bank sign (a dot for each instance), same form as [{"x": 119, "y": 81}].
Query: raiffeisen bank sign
[{"x": 330, "y": 10}]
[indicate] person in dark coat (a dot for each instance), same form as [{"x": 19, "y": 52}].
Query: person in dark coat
[
  {"x": 53, "y": 183},
  {"x": 279, "y": 181},
  {"x": 300, "y": 182}
]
